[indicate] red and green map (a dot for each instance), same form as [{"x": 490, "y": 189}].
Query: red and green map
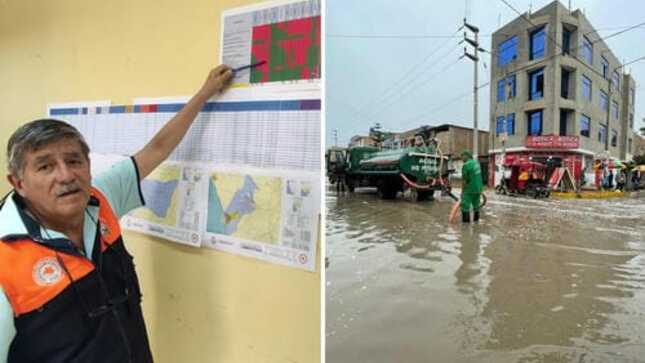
[{"x": 291, "y": 50}]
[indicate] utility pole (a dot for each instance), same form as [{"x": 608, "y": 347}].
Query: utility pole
[
  {"x": 335, "y": 133},
  {"x": 475, "y": 58},
  {"x": 609, "y": 107},
  {"x": 507, "y": 97}
]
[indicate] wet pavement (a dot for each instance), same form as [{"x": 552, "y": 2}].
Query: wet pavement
[{"x": 534, "y": 281}]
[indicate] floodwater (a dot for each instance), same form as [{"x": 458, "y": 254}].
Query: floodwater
[{"x": 534, "y": 281}]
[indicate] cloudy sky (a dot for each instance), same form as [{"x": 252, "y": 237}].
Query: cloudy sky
[{"x": 396, "y": 62}]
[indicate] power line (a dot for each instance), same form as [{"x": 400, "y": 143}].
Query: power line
[
  {"x": 426, "y": 113},
  {"x": 394, "y": 91},
  {"x": 356, "y": 114},
  {"x": 618, "y": 33},
  {"x": 573, "y": 49},
  {"x": 443, "y": 105},
  {"x": 634, "y": 61},
  {"x": 445, "y": 36},
  {"x": 418, "y": 82},
  {"x": 410, "y": 71},
  {"x": 388, "y": 36},
  {"x": 525, "y": 18},
  {"x": 612, "y": 28}
]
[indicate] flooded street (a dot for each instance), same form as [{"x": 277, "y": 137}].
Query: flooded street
[{"x": 535, "y": 281}]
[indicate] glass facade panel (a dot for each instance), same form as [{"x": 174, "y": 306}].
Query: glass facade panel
[
  {"x": 510, "y": 124},
  {"x": 536, "y": 84},
  {"x": 507, "y": 51},
  {"x": 585, "y": 125},
  {"x": 537, "y": 44},
  {"x": 586, "y": 88},
  {"x": 587, "y": 50},
  {"x": 535, "y": 123}
]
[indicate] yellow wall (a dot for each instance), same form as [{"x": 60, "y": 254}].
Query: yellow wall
[{"x": 200, "y": 305}]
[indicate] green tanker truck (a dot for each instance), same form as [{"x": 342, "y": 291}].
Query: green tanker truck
[{"x": 419, "y": 171}]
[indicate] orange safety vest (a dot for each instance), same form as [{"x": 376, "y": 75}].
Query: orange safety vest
[{"x": 68, "y": 307}]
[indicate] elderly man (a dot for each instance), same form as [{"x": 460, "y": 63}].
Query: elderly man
[
  {"x": 472, "y": 187},
  {"x": 68, "y": 287}
]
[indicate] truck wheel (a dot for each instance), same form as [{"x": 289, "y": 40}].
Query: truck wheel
[
  {"x": 386, "y": 189},
  {"x": 423, "y": 195}
]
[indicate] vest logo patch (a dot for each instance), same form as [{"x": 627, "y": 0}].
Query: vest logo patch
[
  {"x": 47, "y": 271},
  {"x": 104, "y": 230}
]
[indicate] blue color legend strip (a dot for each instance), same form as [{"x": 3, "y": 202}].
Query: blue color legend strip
[{"x": 240, "y": 106}]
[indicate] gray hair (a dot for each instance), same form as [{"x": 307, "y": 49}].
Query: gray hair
[{"x": 36, "y": 134}]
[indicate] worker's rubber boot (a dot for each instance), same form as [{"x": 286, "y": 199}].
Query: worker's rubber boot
[
  {"x": 476, "y": 216},
  {"x": 465, "y": 217}
]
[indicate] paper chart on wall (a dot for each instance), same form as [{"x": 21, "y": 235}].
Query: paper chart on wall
[
  {"x": 285, "y": 35},
  {"x": 248, "y": 140},
  {"x": 245, "y": 178}
]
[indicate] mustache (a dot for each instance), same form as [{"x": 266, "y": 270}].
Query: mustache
[{"x": 68, "y": 189}]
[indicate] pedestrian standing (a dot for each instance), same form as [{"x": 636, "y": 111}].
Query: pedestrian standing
[{"x": 472, "y": 187}]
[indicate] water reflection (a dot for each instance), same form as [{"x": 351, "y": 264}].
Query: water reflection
[{"x": 535, "y": 281}]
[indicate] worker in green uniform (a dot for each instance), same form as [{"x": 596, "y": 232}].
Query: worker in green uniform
[{"x": 472, "y": 187}]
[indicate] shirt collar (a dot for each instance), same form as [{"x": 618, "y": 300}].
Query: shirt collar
[{"x": 18, "y": 224}]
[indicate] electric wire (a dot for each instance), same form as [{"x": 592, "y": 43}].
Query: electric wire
[
  {"x": 384, "y": 94},
  {"x": 419, "y": 82},
  {"x": 555, "y": 43},
  {"x": 443, "y": 105}
]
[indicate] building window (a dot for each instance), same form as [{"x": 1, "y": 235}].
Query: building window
[
  {"x": 535, "y": 123},
  {"x": 614, "y": 109},
  {"x": 500, "y": 125},
  {"x": 629, "y": 146},
  {"x": 631, "y": 120},
  {"x": 566, "y": 40},
  {"x": 614, "y": 138},
  {"x": 503, "y": 85},
  {"x": 603, "y": 100},
  {"x": 587, "y": 50},
  {"x": 507, "y": 51},
  {"x": 604, "y": 64},
  {"x": 602, "y": 134},
  {"x": 631, "y": 96},
  {"x": 510, "y": 124},
  {"x": 615, "y": 80},
  {"x": 564, "y": 86},
  {"x": 510, "y": 81},
  {"x": 585, "y": 125},
  {"x": 537, "y": 44},
  {"x": 500, "y": 90},
  {"x": 586, "y": 88},
  {"x": 536, "y": 84}
]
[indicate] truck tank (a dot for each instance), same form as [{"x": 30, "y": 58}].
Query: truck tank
[{"x": 419, "y": 170}]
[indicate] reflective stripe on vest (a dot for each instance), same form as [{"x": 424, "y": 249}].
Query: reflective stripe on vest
[{"x": 36, "y": 275}]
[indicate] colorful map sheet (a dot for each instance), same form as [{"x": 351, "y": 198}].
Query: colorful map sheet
[
  {"x": 286, "y": 36},
  {"x": 291, "y": 50}
]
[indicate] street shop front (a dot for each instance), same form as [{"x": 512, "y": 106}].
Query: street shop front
[{"x": 551, "y": 150}]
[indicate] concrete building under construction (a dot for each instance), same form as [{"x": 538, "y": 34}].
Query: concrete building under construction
[{"x": 558, "y": 94}]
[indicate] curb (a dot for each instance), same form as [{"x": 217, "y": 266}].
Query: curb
[{"x": 588, "y": 195}]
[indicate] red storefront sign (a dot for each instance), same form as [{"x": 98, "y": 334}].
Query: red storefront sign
[{"x": 553, "y": 142}]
